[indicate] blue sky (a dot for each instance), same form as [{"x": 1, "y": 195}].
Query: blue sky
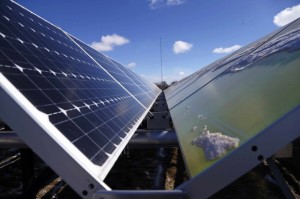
[{"x": 194, "y": 32}]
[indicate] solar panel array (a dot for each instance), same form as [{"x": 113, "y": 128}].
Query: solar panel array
[
  {"x": 93, "y": 101},
  {"x": 236, "y": 97},
  {"x": 89, "y": 105}
]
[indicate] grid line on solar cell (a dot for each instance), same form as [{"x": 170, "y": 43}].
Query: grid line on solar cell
[
  {"x": 45, "y": 22},
  {"x": 19, "y": 68}
]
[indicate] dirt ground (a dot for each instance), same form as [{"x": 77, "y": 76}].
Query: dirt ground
[{"x": 136, "y": 169}]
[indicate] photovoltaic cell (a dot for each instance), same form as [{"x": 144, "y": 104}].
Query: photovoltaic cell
[{"x": 94, "y": 102}]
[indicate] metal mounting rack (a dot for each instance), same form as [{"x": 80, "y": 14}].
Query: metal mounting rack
[{"x": 232, "y": 167}]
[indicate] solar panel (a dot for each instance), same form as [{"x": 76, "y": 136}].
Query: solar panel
[
  {"x": 79, "y": 105},
  {"x": 230, "y": 102}
]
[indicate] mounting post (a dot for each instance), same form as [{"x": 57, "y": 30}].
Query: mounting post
[
  {"x": 279, "y": 179},
  {"x": 27, "y": 167}
]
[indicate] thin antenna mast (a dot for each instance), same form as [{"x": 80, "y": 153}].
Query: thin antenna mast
[{"x": 161, "y": 69}]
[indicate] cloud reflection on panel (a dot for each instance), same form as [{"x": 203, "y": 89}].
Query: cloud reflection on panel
[{"x": 215, "y": 145}]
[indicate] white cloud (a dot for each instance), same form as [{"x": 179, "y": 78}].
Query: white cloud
[
  {"x": 108, "y": 42},
  {"x": 181, "y": 73},
  {"x": 181, "y": 47},
  {"x": 287, "y": 15},
  {"x": 175, "y": 2},
  {"x": 160, "y": 3},
  {"x": 131, "y": 65},
  {"x": 226, "y": 50}
]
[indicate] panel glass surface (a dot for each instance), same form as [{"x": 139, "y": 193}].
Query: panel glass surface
[
  {"x": 93, "y": 111},
  {"x": 256, "y": 90},
  {"x": 197, "y": 80}
]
